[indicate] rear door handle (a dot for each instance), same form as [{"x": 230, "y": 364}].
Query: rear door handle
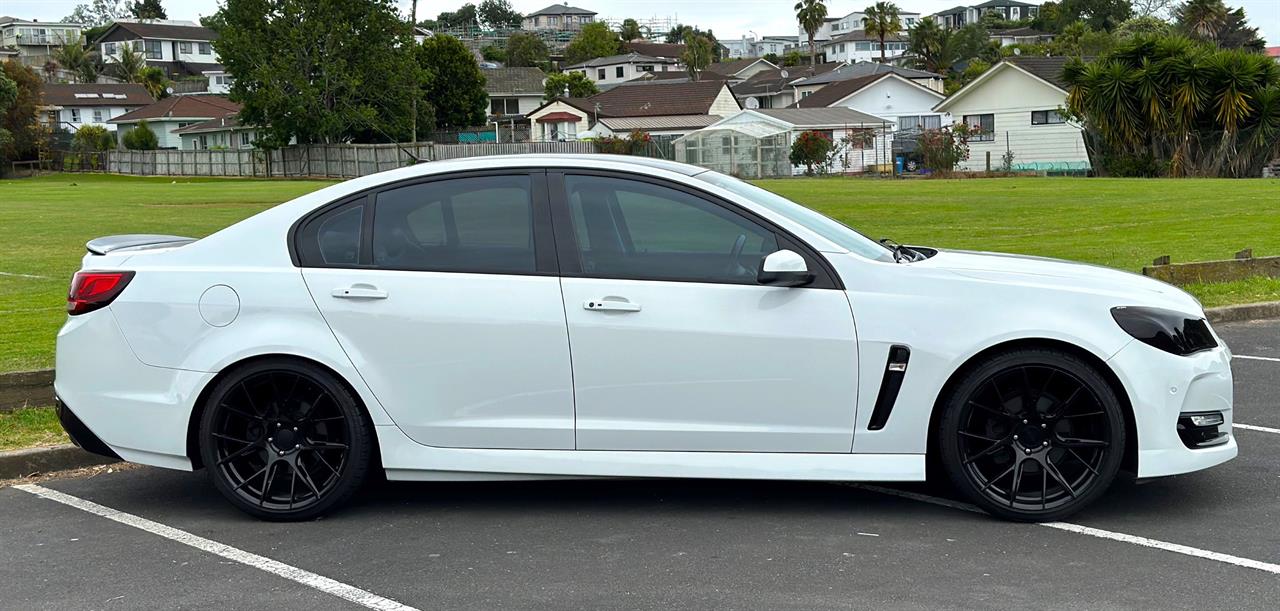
[
  {"x": 611, "y": 304},
  {"x": 359, "y": 291}
]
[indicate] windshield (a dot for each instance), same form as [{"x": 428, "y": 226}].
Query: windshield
[{"x": 833, "y": 230}]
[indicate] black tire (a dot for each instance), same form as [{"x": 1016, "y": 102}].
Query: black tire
[
  {"x": 1038, "y": 412},
  {"x": 284, "y": 440}
]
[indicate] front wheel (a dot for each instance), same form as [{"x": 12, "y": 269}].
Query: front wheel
[
  {"x": 1032, "y": 435},
  {"x": 285, "y": 440}
]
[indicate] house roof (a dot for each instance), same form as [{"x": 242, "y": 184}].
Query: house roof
[
  {"x": 835, "y": 92},
  {"x": 734, "y": 67},
  {"x": 863, "y": 36},
  {"x": 672, "y": 76},
  {"x": 1046, "y": 69},
  {"x": 655, "y": 49},
  {"x": 658, "y": 122},
  {"x": 955, "y": 10},
  {"x": 157, "y": 29},
  {"x": 1272, "y": 51},
  {"x": 125, "y": 94},
  {"x": 1001, "y": 3},
  {"x": 513, "y": 81},
  {"x": 1018, "y": 32},
  {"x": 6, "y": 20},
  {"x": 223, "y": 123},
  {"x": 182, "y": 107},
  {"x": 818, "y": 117},
  {"x": 861, "y": 69},
  {"x": 772, "y": 81},
  {"x": 628, "y": 58},
  {"x": 655, "y": 99},
  {"x": 561, "y": 9}
]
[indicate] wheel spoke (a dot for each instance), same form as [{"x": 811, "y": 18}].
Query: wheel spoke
[
  {"x": 998, "y": 412},
  {"x": 1044, "y": 488},
  {"x": 991, "y": 482},
  {"x": 1028, "y": 404},
  {"x": 244, "y": 388},
  {"x": 1067, "y": 404},
  {"x": 1017, "y": 482},
  {"x": 326, "y": 464},
  {"x": 230, "y": 438},
  {"x": 325, "y": 445},
  {"x": 266, "y": 485},
  {"x": 306, "y": 479},
  {"x": 236, "y": 410},
  {"x": 234, "y": 455},
  {"x": 293, "y": 482},
  {"x": 250, "y": 478},
  {"x": 977, "y": 436},
  {"x": 1057, "y": 476},
  {"x": 1083, "y": 415},
  {"x": 1082, "y": 461},
  {"x": 1071, "y": 442},
  {"x": 992, "y": 449}
]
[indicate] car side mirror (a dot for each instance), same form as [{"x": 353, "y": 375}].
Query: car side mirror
[{"x": 784, "y": 268}]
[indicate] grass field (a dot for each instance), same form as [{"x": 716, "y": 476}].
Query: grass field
[
  {"x": 29, "y": 428},
  {"x": 44, "y": 223}
]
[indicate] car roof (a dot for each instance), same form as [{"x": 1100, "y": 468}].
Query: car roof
[{"x": 558, "y": 160}]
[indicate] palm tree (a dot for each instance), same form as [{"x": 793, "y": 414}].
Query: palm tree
[
  {"x": 882, "y": 21},
  {"x": 811, "y": 14},
  {"x": 128, "y": 65},
  {"x": 927, "y": 41},
  {"x": 1201, "y": 18},
  {"x": 155, "y": 81},
  {"x": 630, "y": 30},
  {"x": 75, "y": 57}
]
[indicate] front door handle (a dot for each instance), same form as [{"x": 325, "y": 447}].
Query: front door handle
[
  {"x": 611, "y": 304},
  {"x": 359, "y": 291}
]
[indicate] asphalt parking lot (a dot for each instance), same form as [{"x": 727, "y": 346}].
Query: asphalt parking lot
[{"x": 1210, "y": 539}]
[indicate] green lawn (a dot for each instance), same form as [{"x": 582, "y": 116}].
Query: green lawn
[
  {"x": 44, "y": 223},
  {"x": 29, "y": 428}
]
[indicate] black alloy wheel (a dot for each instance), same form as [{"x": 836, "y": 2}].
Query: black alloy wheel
[
  {"x": 283, "y": 440},
  {"x": 1033, "y": 435}
]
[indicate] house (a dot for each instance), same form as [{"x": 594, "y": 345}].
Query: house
[
  {"x": 34, "y": 42},
  {"x": 71, "y": 107},
  {"x": 835, "y": 27},
  {"x": 757, "y": 143},
  {"x": 905, "y": 103},
  {"x": 224, "y": 132},
  {"x": 219, "y": 80},
  {"x": 810, "y": 85},
  {"x": 759, "y": 47},
  {"x": 740, "y": 69},
  {"x": 660, "y": 108},
  {"x": 667, "y": 50},
  {"x": 176, "y": 112},
  {"x": 1011, "y": 10},
  {"x": 1273, "y": 53},
  {"x": 558, "y": 17},
  {"x": 621, "y": 68},
  {"x": 772, "y": 88},
  {"x": 1020, "y": 36},
  {"x": 858, "y": 46},
  {"x": 180, "y": 48},
  {"x": 513, "y": 92},
  {"x": 1014, "y": 106}
]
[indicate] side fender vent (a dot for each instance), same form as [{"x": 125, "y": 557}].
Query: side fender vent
[{"x": 894, "y": 370}]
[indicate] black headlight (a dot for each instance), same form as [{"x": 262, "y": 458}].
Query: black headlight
[{"x": 1173, "y": 332}]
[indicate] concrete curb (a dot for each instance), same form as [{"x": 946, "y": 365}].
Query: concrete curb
[
  {"x": 1248, "y": 311},
  {"x": 21, "y": 389},
  {"x": 22, "y": 463}
]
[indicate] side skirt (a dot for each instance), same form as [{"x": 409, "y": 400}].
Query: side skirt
[{"x": 405, "y": 459}]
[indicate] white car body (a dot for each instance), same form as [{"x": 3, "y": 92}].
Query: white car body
[{"x": 495, "y": 376}]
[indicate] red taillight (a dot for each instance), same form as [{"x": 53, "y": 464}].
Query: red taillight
[{"x": 93, "y": 290}]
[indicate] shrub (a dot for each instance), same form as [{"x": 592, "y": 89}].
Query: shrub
[
  {"x": 141, "y": 138},
  {"x": 812, "y": 150},
  {"x": 635, "y": 143},
  {"x": 942, "y": 149},
  {"x": 90, "y": 138}
]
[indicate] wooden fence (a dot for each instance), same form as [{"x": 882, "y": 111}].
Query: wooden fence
[{"x": 302, "y": 161}]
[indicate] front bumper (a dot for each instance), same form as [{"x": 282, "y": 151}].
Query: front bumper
[{"x": 1162, "y": 387}]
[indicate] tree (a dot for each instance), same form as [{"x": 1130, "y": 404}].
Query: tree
[
  {"x": 810, "y": 14},
  {"x": 812, "y": 150},
  {"x": 1146, "y": 24},
  {"x": 676, "y": 34},
  {"x": 98, "y": 13},
  {"x": 155, "y": 80},
  {"x": 498, "y": 14},
  {"x": 630, "y": 30},
  {"x": 792, "y": 58},
  {"x": 8, "y": 97},
  {"x": 453, "y": 83},
  {"x": 20, "y": 119},
  {"x": 93, "y": 138},
  {"x": 1214, "y": 22},
  {"x": 697, "y": 54},
  {"x": 1167, "y": 105},
  {"x": 321, "y": 70},
  {"x": 128, "y": 65},
  {"x": 86, "y": 63},
  {"x": 1150, "y": 8},
  {"x": 141, "y": 138},
  {"x": 146, "y": 9},
  {"x": 575, "y": 83},
  {"x": 882, "y": 21},
  {"x": 937, "y": 48},
  {"x": 1079, "y": 40},
  {"x": 466, "y": 18},
  {"x": 1099, "y": 14},
  {"x": 594, "y": 40},
  {"x": 493, "y": 53},
  {"x": 526, "y": 50},
  {"x": 943, "y": 149}
]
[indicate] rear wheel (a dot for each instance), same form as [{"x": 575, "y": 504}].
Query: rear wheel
[
  {"x": 284, "y": 440},
  {"x": 1032, "y": 435}
]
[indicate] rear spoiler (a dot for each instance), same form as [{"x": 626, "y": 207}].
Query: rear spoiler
[{"x": 102, "y": 246}]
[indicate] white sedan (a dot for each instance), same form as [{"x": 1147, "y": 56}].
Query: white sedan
[{"x": 597, "y": 316}]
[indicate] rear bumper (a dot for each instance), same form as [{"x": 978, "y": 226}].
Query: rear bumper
[{"x": 80, "y": 434}]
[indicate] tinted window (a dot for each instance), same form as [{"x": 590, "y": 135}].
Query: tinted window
[
  {"x": 482, "y": 224},
  {"x": 634, "y": 229},
  {"x": 333, "y": 238}
]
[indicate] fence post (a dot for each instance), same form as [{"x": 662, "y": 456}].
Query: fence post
[{"x": 988, "y": 161}]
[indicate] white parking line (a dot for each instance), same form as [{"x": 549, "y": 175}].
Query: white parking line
[
  {"x": 1251, "y": 427},
  {"x": 324, "y": 584},
  {"x": 1093, "y": 532},
  {"x": 1256, "y": 358}
]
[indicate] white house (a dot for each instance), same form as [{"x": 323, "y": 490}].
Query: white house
[
  {"x": 811, "y": 85},
  {"x": 34, "y": 42},
  {"x": 963, "y": 15},
  {"x": 858, "y": 46},
  {"x": 176, "y": 112},
  {"x": 180, "y": 48},
  {"x": 751, "y": 46},
  {"x": 558, "y": 17},
  {"x": 834, "y": 27},
  {"x": 225, "y": 132},
  {"x": 513, "y": 92},
  {"x": 658, "y": 108},
  {"x": 773, "y": 88},
  {"x": 1020, "y": 36},
  {"x": 621, "y": 68},
  {"x": 70, "y": 107},
  {"x": 740, "y": 69},
  {"x": 1014, "y": 107},
  {"x": 904, "y": 103}
]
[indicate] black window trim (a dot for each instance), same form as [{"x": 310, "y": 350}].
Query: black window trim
[
  {"x": 544, "y": 248},
  {"x": 825, "y": 276}
]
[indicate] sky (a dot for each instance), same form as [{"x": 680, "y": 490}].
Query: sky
[{"x": 727, "y": 18}]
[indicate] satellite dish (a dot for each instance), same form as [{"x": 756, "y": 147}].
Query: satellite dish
[
  {"x": 784, "y": 74},
  {"x": 168, "y": 90},
  {"x": 753, "y": 103}
]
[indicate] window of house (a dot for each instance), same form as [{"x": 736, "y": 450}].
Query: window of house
[
  {"x": 1046, "y": 117},
  {"x": 644, "y": 68},
  {"x": 862, "y": 46},
  {"x": 477, "y": 225},
  {"x": 559, "y": 131},
  {"x": 553, "y": 20},
  {"x": 204, "y": 141},
  {"x": 97, "y": 115},
  {"x": 983, "y": 127},
  {"x": 137, "y": 45},
  {"x": 918, "y": 122},
  {"x": 620, "y": 71},
  {"x": 154, "y": 49},
  {"x": 600, "y": 74},
  {"x": 639, "y": 230},
  {"x": 206, "y": 49},
  {"x": 504, "y": 106},
  {"x": 109, "y": 48},
  {"x": 75, "y": 115},
  {"x": 805, "y": 94},
  {"x": 184, "y": 47}
]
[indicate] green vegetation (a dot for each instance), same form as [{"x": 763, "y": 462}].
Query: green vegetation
[
  {"x": 1123, "y": 223},
  {"x": 30, "y": 428}
]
